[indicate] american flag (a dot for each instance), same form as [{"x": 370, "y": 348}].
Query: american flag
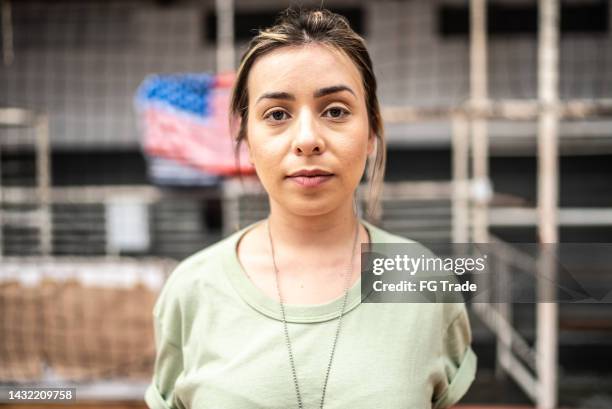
[{"x": 185, "y": 119}]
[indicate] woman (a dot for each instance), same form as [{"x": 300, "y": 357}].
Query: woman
[{"x": 305, "y": 105}]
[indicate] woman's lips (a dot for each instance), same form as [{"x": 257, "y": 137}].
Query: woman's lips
[{"x": 311, "y": 181}]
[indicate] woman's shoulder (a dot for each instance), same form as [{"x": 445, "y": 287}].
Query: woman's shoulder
[
  {"x": 379, "y": 235},
  {"x": 386, "y": 239}
]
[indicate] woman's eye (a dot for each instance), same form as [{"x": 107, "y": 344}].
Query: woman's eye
[
  {"x": 337, "y": 112},
  {"x": 281, "y": 115},
  {"x": 277, "y": 115}
]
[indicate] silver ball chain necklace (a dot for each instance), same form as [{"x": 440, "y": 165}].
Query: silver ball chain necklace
[{"x": 286, "y": 329}]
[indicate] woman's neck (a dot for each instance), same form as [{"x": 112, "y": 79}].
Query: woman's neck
[{"x": 312, "y": 232}]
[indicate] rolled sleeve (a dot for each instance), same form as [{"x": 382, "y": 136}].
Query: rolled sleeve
[
  {"x": 154, "y": 399},
  {"x": 459, "y": 361},
  {"x": 168, "y": 367}
]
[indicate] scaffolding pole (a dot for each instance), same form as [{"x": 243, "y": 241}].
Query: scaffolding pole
[
  {"x": 548, "y": 192},
  {"x": 478, "y": 98},
  {"x": 460, "y": 198},
  {"x": 40, "y": 216},
  {"x": 225, "y": 35}
]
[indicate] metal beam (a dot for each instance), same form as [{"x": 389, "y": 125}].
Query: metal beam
[
  {"x": 527, "y": 217},
  {"x": 226, "y": 52},
  {"x": 548, "y": 200}
]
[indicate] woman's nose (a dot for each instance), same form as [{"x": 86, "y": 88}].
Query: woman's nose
[{"x": 307, "y": 141}]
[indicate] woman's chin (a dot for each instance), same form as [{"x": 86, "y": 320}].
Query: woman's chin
[{"x": 312, "y": 207}]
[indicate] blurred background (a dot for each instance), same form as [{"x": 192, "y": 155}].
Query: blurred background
[{"x": 116, "y": 162}]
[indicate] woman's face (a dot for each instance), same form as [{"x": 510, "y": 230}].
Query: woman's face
[{"x": 307, "y": 131}]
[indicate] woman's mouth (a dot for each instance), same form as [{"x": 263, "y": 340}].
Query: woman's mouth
[{"x": 311, "y": 181}]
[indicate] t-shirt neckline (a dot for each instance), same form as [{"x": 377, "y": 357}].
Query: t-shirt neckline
[{"x": 296, "y": 313}]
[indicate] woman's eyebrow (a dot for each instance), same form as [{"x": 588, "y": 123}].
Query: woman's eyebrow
[
  {"x": 317, "y": 94},
  {"x": 333, "y": 89},
  {"x": 276, "y": 95}
]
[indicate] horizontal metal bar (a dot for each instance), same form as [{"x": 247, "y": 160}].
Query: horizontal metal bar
[
  {"x": 526, "y": 110},
  {"x": 526, "y": 216}
]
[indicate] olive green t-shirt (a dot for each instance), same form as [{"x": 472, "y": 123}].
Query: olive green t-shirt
[{"x": 220, "y": 344}]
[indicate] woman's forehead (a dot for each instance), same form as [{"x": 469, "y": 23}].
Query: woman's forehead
[{"x": 303, "y": 70}]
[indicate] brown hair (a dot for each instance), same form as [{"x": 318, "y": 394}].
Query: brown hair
[{"x": 296, "y": 27}]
